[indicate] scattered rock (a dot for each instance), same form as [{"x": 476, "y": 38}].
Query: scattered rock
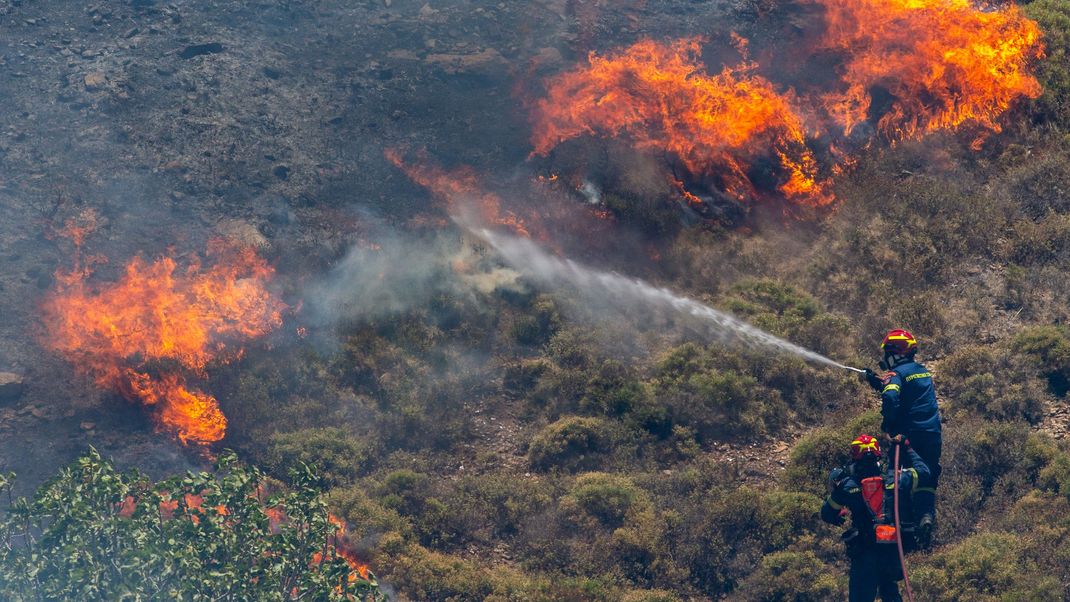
[
  {"x": 427, "y": 13},
  {"x": 95, "y": 80},
  {"x": 39, "y": 412},
  {"x": 548, "y": 57},
  {"x": 88, "y": 426},
  {"x": 199, "y": 49},
  {"x": 242, "y": 233},
  {"x": 10, "y": 387}
]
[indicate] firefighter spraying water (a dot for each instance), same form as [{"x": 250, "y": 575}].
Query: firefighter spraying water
[{"x": 909, "y": 408}]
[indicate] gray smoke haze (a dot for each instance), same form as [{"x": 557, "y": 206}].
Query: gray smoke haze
[
  {"x": 638, "y": 300},
  {"x": 400, "y": 272}
]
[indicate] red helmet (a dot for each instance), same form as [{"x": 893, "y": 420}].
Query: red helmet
[
  {"x": 864, "y": 445},
  {"x": 899, "y": 342}
]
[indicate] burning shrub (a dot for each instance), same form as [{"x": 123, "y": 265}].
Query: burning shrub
[
  {"x": 94, "y": 533},
  {"x": 943, "y": 62},
  {"x": 140, "y": 336},
  {"x": 659, "y": 97}
]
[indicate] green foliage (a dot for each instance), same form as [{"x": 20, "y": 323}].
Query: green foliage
[
  {"x": 336, "y": 454},
  {"x": 984, "y": 567},
  {"x": 790, "y": 576},
  {"x": 571, "y": 443},
  {"x": 1050, "y": 346},
  {"x": 715, "y": 403},
  {"x": 609, "y": 499},
  {"x": 1053, "y": 16},
  {"x": 721, "y": 537},
  {"x": 991, "y": 382},
  {"x": 786, "y": 312},
  {"x": 94, "y": 533},
  {"x": 823, "y": 449},
  {"x": 536, "y": 327},
  {"x": 1056, "y": 475}
]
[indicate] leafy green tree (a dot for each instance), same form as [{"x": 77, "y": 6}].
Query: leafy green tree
[{"x": 93, "y": 533}]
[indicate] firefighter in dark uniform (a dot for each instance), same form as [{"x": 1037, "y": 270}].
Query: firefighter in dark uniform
[
  {"x": 865, "y": 491},
  {"x": 909, "y": 408}
]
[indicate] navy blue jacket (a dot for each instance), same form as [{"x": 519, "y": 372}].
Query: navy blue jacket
[
  {"x": 908, "y": 400},
  {"x": 848, "y": 494}
]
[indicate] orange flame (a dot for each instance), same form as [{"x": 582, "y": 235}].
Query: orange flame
[
  {"x": 341, "y": 546},
  {"x": 458, "y": 187},
  {"x": 659, "y": 96},
  {"x": 160, "y": 319},
  {"x": 945, "y": 62}
]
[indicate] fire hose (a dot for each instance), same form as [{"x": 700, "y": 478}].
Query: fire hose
[{"x": 898, "y": 530}]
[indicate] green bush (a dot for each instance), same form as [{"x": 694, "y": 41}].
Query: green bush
[
  {"x": 1056, "y": 475},
  {"x": 609, "y": 499},
  {"x": 336, "y": 454},
  {"x": 1053, "y": 16},
  {"x": 613, "y": 390},
  {"x": 986, "y": 567},
  {"x": 538, "y": 326},
  {"x": 1050, "y": 346},
  {"x": 821, "y": 450},
  {"x": 725, "y": 534},
  {"x": 717, "y": 404},
  {"x": 92, "y": 533},
  {"x": 791, "y": 577},
  {"x": 991, "y": 382},
  {"x": 571, "y": 443},
  {"x": 786, "y": 312}
]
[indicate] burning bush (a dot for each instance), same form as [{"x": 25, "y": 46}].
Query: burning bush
[
  {"x": 141, "y": 335},
  {"x": 943, "y": 62},
  {"x": 659, "y": 96}
]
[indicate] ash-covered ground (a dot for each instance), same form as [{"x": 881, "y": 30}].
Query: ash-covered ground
[{"x": 173, "y": 123}]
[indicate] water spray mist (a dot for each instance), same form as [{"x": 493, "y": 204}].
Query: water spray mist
[{"x": 532, "y": 260}]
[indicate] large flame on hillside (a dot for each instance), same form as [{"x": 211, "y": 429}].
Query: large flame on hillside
[
  {"x": 143, "y": 334},
  {"x": 659, "y": 96},
  {"x": 944, "y": 62}
]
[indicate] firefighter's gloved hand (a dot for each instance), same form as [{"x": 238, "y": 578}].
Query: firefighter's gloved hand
[
  {"x": 901, "y": 440},
  {"x": 874, "y": 380}
]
